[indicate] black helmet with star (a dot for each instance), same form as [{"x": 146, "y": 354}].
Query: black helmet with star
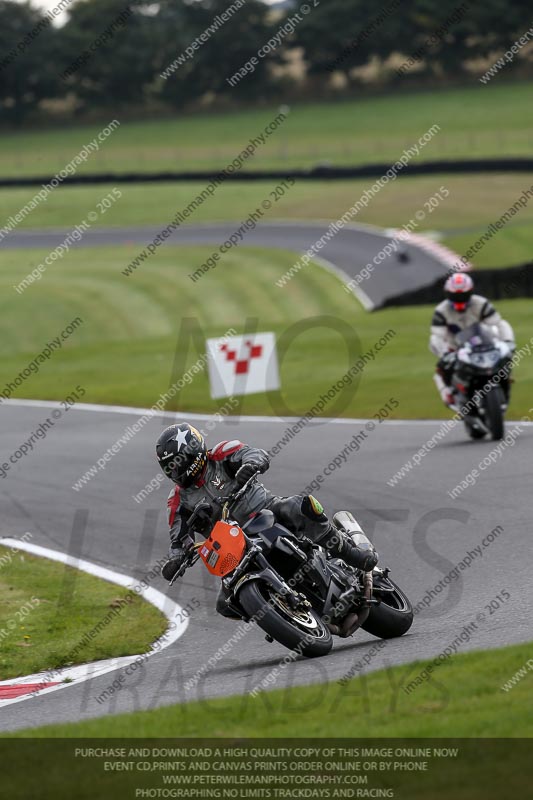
[{"x": 182, "y": 453}]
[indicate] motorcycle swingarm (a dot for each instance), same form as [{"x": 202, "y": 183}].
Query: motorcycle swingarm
[
  {"x": 382, "y": 589},
  {"x": 381, "y": 584},
  {"x": 349, "y": 601}
]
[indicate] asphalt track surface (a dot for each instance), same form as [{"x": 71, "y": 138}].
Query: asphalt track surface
[
  {"x": 349, "y": 251},
  {"x": 419, "y": 531}
]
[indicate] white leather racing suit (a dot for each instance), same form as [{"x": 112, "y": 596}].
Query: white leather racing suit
[{"x": 447, "y": 323}]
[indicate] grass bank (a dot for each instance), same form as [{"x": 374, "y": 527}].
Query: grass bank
[
  {"x": 366, "y": 130},
  {"x": 47, "y": 608},
  {"x": 462, "y": 698},
  {"x": 132, "y": 327}
]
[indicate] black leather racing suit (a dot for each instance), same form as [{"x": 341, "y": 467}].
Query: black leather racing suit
[{"x": 297, "y": 512}]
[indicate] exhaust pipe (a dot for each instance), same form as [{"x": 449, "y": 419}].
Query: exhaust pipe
[{"x": 354, "y": 620}]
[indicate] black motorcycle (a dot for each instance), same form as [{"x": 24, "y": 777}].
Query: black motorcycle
[
  {"x": 290, "y": 587},
  {"x": 481, "y": 379}
]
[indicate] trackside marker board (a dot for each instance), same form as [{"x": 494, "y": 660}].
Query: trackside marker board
[{"x": 242, "y": 365}]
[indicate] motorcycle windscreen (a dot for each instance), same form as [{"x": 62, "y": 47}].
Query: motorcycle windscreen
[
  {"x": 478, "y": 335},
  {"x": 224, "y": 549}
]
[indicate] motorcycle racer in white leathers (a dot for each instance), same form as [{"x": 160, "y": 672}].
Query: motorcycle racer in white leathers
[{"x": 458, "y": 311}]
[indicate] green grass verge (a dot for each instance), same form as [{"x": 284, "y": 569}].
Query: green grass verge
[
  {"x": 131, "y": 328},
  {"x": 462, "y": 698},
  {"x": 474, "y": 202},
  {"x": 46, "y": 608},
  {"x": 358, "y": 131}
]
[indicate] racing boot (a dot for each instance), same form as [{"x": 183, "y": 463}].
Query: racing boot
[{"x": 346, "y": 539}]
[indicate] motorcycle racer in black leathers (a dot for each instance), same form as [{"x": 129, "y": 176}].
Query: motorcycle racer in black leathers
[{"x": 202, "y": 474}]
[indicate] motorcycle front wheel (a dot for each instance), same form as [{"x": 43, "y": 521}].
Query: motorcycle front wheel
[
  {"x": 474, "y": 433},
  {"x": 492, "y": 403},
  {"x": 298, "y": 629}
]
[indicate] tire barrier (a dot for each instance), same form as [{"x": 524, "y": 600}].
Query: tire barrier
[
  {"x": 498, "y": 284},
  {"x": 319, "y": 172}
]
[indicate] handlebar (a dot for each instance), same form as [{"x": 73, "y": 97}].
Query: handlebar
[
  {"x": 230, "y": 499},
  {"x": 192, "y": 557},
  {"x": 224, "y": 503}
]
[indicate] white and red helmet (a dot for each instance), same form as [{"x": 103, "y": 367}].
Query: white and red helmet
[{"x": 459, "y": 289}]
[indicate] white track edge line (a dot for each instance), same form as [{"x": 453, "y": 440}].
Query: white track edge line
[
  {"x": 346, "y": 279},
  {"x": 132, "y": 411},
  {"x": 165, "y": 604}
]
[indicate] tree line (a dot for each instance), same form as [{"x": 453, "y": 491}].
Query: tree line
[{"x": 185, "y": 53}]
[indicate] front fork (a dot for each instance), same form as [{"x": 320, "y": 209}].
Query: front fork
[{"x": 242, "y": 575}]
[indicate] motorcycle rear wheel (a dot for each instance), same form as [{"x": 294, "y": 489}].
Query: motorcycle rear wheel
[
  {"x": 297, "y": 629},
  {"x": 393, "y": 617}
]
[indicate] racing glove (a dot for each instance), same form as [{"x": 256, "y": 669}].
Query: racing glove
[
  {"x": 176, "y": 557},
  {"x": 245, "y": 472},
  {"x": 448, "y": 360}
]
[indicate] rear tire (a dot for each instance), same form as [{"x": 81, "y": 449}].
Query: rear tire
[
  {"x": 493, "y": 402},
  {"x": 287, "y": 626},
  {"x": 393, "y": 617}
]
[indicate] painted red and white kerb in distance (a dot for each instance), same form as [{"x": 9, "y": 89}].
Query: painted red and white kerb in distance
[{"x": 242, "y": 365}]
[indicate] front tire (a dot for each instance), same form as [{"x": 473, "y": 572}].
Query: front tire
[
  {"x": 296, "y": 629},
  {"x": 474, "y": 433},
  {"x": 493, "y": 402},
  {"x": 393, "y": 617}
]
